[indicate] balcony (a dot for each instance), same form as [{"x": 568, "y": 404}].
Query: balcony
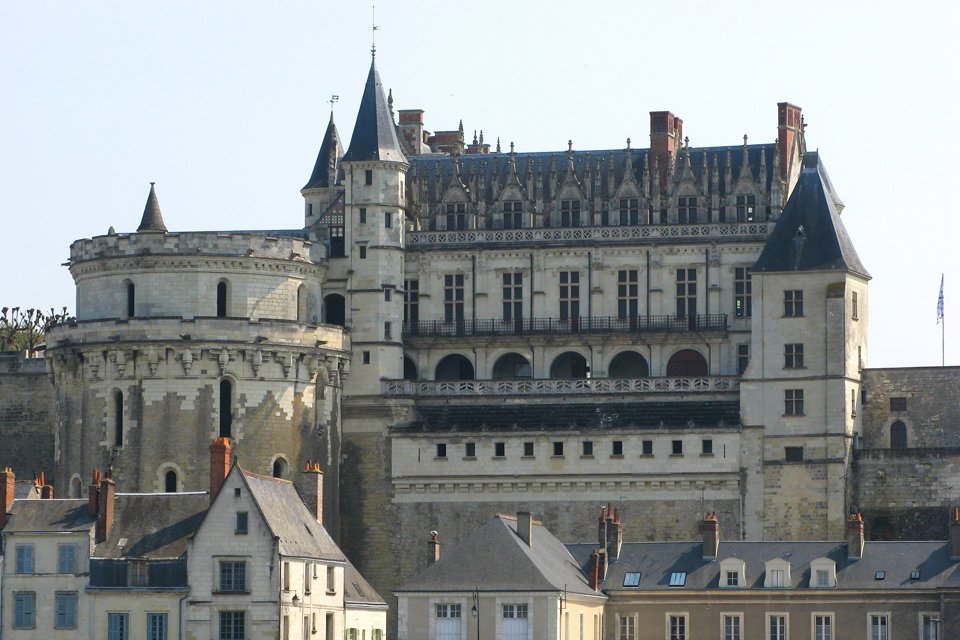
[
  {"x": 534, "y": 387},
  {"x": 556, "y": 326}
]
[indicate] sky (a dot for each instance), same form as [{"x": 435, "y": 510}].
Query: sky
[{"x": 224, "y": 104}]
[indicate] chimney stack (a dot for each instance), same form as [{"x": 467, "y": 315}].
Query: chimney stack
[
  {"x": 108, "y": 490},
  {"x": 45, "y": 490},
  {"x": 614, "y": 535},
  {"x": 710, "y": 528},
  {"x": 666, "y": 132},
  {"x": 855, "y": 536},
  {"x": 955, "y": 532},
  {"x": 595, "y": 570},
  {"x": 434, "y": 545},
  {"x": 525, "y": 527},
  {"x": 789, "y": 128},
  {"x": 7, "y": 493},
  {"x": 93, "y": 494},
  {"x": 219, "y": 464},
  {"x": 310, "y": 488}
]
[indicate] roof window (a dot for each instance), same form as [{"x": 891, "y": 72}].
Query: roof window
[
  {"x": 678, "y": 578},
  {"x": 631, "y": 579}
]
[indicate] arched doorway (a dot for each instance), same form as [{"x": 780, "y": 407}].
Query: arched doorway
[
  {"x": 898, "y": 435},
  {"x": 569, "y": 365},
  {"x": 687, "y": 363},
  {"x": 454, "y": 367},
  {"x": 334, "y": 310},
  {"x": 628, "y": 364},
  {"x": 409, "y": 369},
  {"x": 511, "y": 365}
]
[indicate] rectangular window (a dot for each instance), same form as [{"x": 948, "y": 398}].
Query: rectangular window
[
  {"x": 793, "y": 402},
  {"x": 855, "y": 306},
  {"x": 24, "y": 610},
  {"x": 528, "y": 449},
  {"x": 470, "y": 449},
  {"x": 776, "y": 627},
  {"x": 628, "y": 294},
  {"x": 569, "y": 213},
  {"x": 793, "y": 454},
  {"x": 66, "y": 558},
  {"x": 512, "y": 296},
  {"x": 363, "y": 215},
  {"x": 365, "y": 357},
  {"x": 24, "y": 555},
  {"x": 307, "y": 581},
  {"x": 587, "y": 449},
  {"x": 626, "y": 628},
  {"x": 387, "y": 219},
  {"x": 617, "y": 448},
  {"x": 363, "y": 252},
  {"x": 823, "y": 578},
  {"x": 629, "y": 211},
  {"x": 678, "y": 579},
  {"x": 677, "y": 627},
  {"x": 746, "y": 208},
  {"x": 512, "y": 214},
  {"x": 457, "y": 216},
  {"x": 118, "y": 626},
  {"x": 743, "y": 357},
  {"x": 733, "y": 578},
  {"x": 411, "y": 300},
  {"x": 930, "y": 627},
  {"x": 879, "y": 626},
  {"x": 233, "y": 576},
  {"x": 776, "y": 577},
  {"x": 898, "y": 404},
  {"x": 387, "y": 330},
  {"x": 686, "y": 293},
  {"x": 676, "y": 447},
  {"x": 137, "y": 572},
  {"x": 233, "y": 625},
  {"x": 742, "y": 292},
  {"x": 441, "y": 450},
  {"x": 631, "y": 579},
  {"x": 822, "y": 627},
  {"x": 732, "y": 627},
  {"x": 706, "y": 447},
  {"x": 499, "y": 450},
  {"x": 793, "y": 303},
  {"x": 569, "y": 295},
  {"x": 687, "y": 210},
  {"x": 793, "y": 356},
  {"x": 558, "y": 449},
  {"x": 386, "y": 295},
  {"x": 647, "y": 449},
  {"x": 453, "y": 298},
  {"x": 331, "y": 579},
  {"x": 368, "y": 176},
  {"x": 157, "y": 626},
  {"x": 242, "y": 523}
]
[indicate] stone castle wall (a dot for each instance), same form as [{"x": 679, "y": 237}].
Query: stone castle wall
[
  {"x": 27, "y": 416},
  {"x": 931, "y": 413}
]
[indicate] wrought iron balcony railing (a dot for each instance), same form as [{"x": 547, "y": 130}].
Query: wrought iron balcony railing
[
  {"x": 554, "y": 326},
  {"x": 531, "y": 386}
]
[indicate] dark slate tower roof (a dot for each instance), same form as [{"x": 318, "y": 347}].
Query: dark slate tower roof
[
  {"x": 809, "y": 235},
  {"x": 327, "y": 160},
  {"x": 374, "y": 134},
  {"x": 152, "y": 220}
]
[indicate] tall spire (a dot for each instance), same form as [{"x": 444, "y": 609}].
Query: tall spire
[
  {"x": 374, "y": 134},
  {"x": 152, "y": 220},
  {"x": 325, "y": 169}
]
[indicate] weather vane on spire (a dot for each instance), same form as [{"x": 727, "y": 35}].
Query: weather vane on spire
[
  {"x": 373, "y": 31},
  {"x": 333, "y": 100}
]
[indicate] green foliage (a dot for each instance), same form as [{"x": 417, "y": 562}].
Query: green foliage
[{"x": 23, "y": 330}]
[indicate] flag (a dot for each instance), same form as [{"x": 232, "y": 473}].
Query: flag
[{"x": 940, "y": 302}]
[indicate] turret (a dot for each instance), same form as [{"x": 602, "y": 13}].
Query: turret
[{"x": 318, "y": 193}]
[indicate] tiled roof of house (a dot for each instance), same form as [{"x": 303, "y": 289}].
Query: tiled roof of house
[
  {"x": 356, "y": 589},
  {"x": 153, "y": 525},
  {"x": 49, "y": 516}
]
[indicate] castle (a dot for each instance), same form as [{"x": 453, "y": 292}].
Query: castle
[{"x": 458, "y": 330}]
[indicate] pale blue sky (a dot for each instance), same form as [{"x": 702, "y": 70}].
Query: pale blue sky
[{"x": 223, "y": 104}]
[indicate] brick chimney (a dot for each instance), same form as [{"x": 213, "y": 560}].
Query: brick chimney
[
  {"x": 310, "y": 487},
  {"x": 93, "y": 494},
  {"x": 789, "y": 128},
  {"x": 45, "y": 490},
  {"x": 108, "y": 489},
  {"x": 525, "y": 527},
  {"x": 434, "y": 546},
  {"x": 614, "y": 535},
  {"x": 666, "y": 133},
  {"x": 855, "y": 536},
  {"x": 710, "y": 528},
  {"x": 7, "y": 493},
  {"x": 955, "y": 532},
  {"x": 595, "y": 569},
  {"x": 411, "y": 129},
  {"x": 219, "y": 464}
]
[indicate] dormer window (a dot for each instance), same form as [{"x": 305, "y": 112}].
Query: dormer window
[
  {"x": 777, "y": 574},
  {"x": 678, "y": 578},
  {"x": 823, "y": 573},
  {"x": 512, "y": 214},
  {"x": 569, "y": 213},
  {"x": 746, "y": 208},
  {"x": 732, "y": 573},
  {"x": 457, "y": 216}
]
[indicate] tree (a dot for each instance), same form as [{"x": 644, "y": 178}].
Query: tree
[{"x": 24, "y": 330}]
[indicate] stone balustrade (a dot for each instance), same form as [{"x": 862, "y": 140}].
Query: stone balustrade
[{"x": 532, "y": 387}]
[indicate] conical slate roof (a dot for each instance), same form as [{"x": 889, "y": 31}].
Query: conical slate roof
[
  {"x": 809, "y": 235},
  {"x": 328, "y": 158},
  {"x": 374, "y": 135},
  {"x": 152, "y": 219}
]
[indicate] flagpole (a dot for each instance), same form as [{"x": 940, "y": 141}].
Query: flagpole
[{"x": 943, "y": 326}]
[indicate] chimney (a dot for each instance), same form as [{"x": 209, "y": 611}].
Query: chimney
[
  {"x": 789, "y": 127},
  {"x": 595, "y": 570},
  {"x": 603, "y": 533},
  {"x": 7, "y": 493},
  {"x": 855, "y": 536},
  {"x": 219, "y": 465},
  {"x": 434, "y": 546},
  {"x": 93, "y": 493},
  {"x": 666, "y": 132},
  {"x": 108, "y": 490},
  {"x": 955, "y": 532},
  {"x": 45, "y": 490},
  {"x": 525, "y": 527},
  {"x": 710, "y": 528},
  {"x": 310, "y": 488},
  {"x": 411, "y": 129},
  {"x": 614, "y": 535}
]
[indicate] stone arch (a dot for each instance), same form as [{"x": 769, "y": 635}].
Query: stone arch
[
  {"x": 687, "y": 363},
  {"x": 131, "y": 291},
  {"x": 335, "y": 309},
  {"x": 170, "y": 481},
  {"x": 628, "y": 364},
  {"x": 898, "y": 435},
  {"x": 227, "y": 392},
  {"x": 454, "y": 367},
  {"x": 118, "y": 406},
  {"x": 511, "y": 365},
  {"x": 302, "y": 299},
  {"x": 409, "y": 369},
  {"x": 223, "y": 298},
  {"x": 76, "y": 486},
  {"x": 169, "y": 477},
  {"x": 569, "y": 365},
  {"x": 280, "y": 468}
]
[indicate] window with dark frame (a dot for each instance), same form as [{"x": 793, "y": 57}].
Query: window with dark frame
[
  {"x": 793, "y": 402},
  {"x": 629, "y": 211},
  {"x": 686, "y": 293},
  {"x": 855, "y": 305},
  {"x": 441, "y": 450},
  {"x": 363, "y": 252},
  {"x": 233, "y": 576},
  {"x": 368, "y": 177},
  {"x": 676, "y": 447},
  {"x": 793, "y": 303},
  {"x": 233, "y": 623},
  {"x": 411, "y": 300},
  {"x": 616, "y": 448},
  {"x": 512, "y": 296},
  {"x": 743, "y": 357},
  {"x": 742, "y": 292},
  {"x": 628, "y": 294},
  {"x": 363, "y": 215},
  {"x": 242, "y": 523},
  {"x": 746, "y": 208},
  {"x": 706, "y": 447},
  {"x": 456, "y": 216},
  {"x": 470, "y": 449},
  {"x": 569, "y": 295},
  {"x": 499, "y": 450},
  {"x": 587, "y": 448},
  {"x": 687, "y": 210},
  {"x": 569, "y": 213},
  {"x": 527, "y": 449},
  {"x": 898, "y": 404},
  {"x": 365, "y": 357},
  {"x": 387, "y": 219},
  {"x": 453, "y": 297},
  {"x": 793, "y": 356},
  {"x": 647, "y": 447},
  {"x": 557, "y": 449},
  {"x": 793, "y": 454},
  {"x": 512, "y": 214}
]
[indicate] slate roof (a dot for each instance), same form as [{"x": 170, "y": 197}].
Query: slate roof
[
  {"x": 581, "y": 416},
  {"x": 298, "y": 532},
  {"x": 25, "y": 490},
  {"x": 152, "y": 219},
  {"x": 809, "y": 235},
  {"x": 49, "y": 516},
  {"x": 153, "y": 525},
  {"x": 657, "y": 560},
  {"x": 356, "y": 589},
  {"x": 374, "y": 134},
  {"x": 494, "y": 558},
  {"x": 329, "y": 157}
]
